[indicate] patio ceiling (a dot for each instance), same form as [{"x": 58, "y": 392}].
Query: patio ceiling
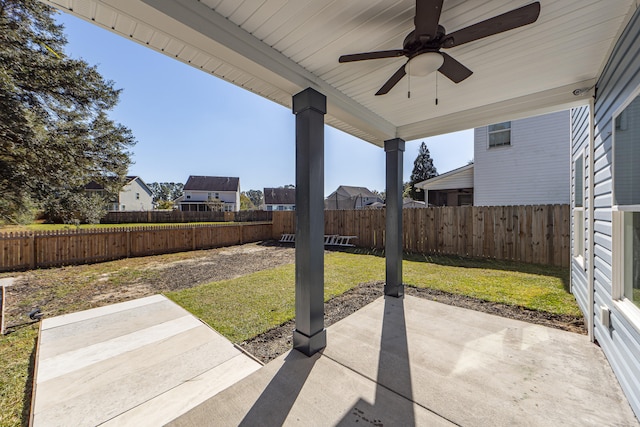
[{"x": 276, "y": 48}]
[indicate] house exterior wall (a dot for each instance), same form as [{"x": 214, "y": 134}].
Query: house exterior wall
[
  {"x": 436, "y": 188},
  {"x": 195, "y": 196},
  {"x": 579, "y": 261},
  {"x": 281, "y": 207},
  {"x": 135, "y": 196},
  {"x": 462, "y": 179},
  {"x": 532, "y": 170},
  {"x": 620, "y": 341}
]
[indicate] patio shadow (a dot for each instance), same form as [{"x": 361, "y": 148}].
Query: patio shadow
[
  {"x": 394, "y": 375},
  {"x": 278, "y": 397}
]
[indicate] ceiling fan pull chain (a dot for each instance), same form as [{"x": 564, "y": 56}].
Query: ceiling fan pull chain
[
  {"x": 409, "y": 80},
  {"x": 436, "y": 88}
]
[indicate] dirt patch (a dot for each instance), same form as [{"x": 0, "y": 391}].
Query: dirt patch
[{"x": 62, "y": 290}]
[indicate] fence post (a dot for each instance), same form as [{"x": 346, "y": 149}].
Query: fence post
[
  {"x": 193, "y": 238},
  {"x": 240, "y": 232}
]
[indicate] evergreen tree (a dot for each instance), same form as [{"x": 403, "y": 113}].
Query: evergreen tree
[
  {"x": 55, "y": 135},
  {"x": 165, "y": 191},
  {"x": 256, "y": 197},
  {"x": 245, "y": 203},
  {"x": 422, "y": 169}
]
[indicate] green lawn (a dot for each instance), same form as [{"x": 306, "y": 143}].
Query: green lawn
[
  {"x": 252, "y": 304},
  {"x": 17, "y": 356}
]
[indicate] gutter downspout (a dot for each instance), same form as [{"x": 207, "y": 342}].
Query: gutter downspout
[{"x": 590, "y": 227}]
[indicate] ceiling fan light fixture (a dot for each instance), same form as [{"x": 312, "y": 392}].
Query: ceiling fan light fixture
[{"x": 425, "y": 64}]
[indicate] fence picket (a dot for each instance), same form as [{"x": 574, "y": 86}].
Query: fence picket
[{"x": 532, "y": 234}]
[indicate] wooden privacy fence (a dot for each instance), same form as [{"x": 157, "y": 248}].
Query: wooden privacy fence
[
  {"x": 532, "y": 234},
  {"x": 29, "y": 250},
  {"x": 172, "y": 216}
]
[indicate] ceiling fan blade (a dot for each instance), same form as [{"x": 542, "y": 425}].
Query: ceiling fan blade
[
  {"x": 397, "y": 76},
  {"x": 427, "y": 17},
  {"x": 507, "y": 21},
  {"x": 371, "y": 55},
  {"x": 454, "y": 70}
]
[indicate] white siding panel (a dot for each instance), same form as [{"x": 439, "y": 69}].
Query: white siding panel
[
  {"x": 621, "y": 342},
  {"x": 603, "y": 241},
  {"x": 579, "y": 142},
  {"x": 534, "y": 169},
  {"x": 462, "y": 179}
]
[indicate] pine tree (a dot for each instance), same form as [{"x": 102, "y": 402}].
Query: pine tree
[
  {"x": 422, "y": 169},
  {"x": 55, "y": 135}
]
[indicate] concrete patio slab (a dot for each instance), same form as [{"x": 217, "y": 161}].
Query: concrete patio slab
[
  {"x": 412, "y": 361},
  {"x": 130, "y": 363}
]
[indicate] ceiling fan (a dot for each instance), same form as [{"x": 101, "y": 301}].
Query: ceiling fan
[{"x": 422, "y": 45}]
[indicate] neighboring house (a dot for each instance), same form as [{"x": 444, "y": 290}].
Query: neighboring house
[
  {"x": 279, "y": 199},
  {"x": 204, "y": 193},
  {"x": 605, "y": 240},
  {"x": 454, "y": 188},
  {"x": 134, "y": 195},
  {"x": 523, "y": 162},
  {"x": 346, "y": 197},
  {"x": 410, "y": 203}
]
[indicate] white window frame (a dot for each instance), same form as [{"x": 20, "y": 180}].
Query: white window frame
[
  {"x": 495, "y": 132},
  {"x": 578, "y": 211},
  {"x": 621, "y": 302}
]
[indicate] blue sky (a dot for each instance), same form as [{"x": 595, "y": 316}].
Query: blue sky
[{"x": 187, "y": 122}]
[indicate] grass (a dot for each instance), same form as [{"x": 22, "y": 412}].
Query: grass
[
  {"x": 252, "y": 304},
  {"x": 244, "y": 307},
  {"x": 17, "y": 357},
  {"x": 56, "y": 227}
]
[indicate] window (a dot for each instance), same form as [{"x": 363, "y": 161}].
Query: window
[
  {"x": 578, "y": 208},
  {"x": 465, "y": 199},
  {"x": 626, "y": 205},
  {"x": 500, "y": 134}
]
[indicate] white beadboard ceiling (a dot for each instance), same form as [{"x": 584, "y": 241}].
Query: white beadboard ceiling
[{"x": 276, "y": 48}]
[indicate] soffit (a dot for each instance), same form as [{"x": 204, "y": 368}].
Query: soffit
[{"x": 275, "y": 48}]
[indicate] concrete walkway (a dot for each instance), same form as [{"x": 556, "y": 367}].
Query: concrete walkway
[
  {"x": 138, "y": 363},
  {"x": 403, "y": 362}
]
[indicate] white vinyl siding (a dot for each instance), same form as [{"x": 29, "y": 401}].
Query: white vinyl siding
[
  {"x": 626, "y": 205},
  {"x": 135, "y": 196},
  {"x": 535, "y": 169},
  {"x": 579, "y": 148},
  {"x": 462, "y": 178},
  {"x": 619, "y": 338},
  {"x": 578, "y": 209}
]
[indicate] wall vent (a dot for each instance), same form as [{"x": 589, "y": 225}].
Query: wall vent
[{"x": 605, "y": 316}]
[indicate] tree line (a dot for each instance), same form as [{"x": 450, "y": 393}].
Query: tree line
[{"x": 55, "y": 132}]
